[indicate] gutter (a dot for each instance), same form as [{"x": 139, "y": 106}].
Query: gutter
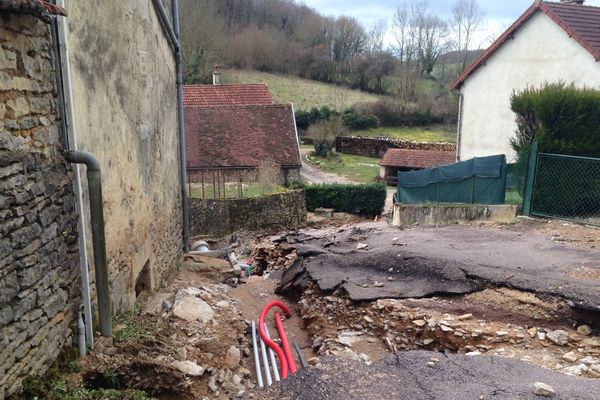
[{"x": 172, "y": 34}]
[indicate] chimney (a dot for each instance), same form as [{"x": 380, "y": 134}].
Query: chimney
[
  {"x": 579, "y": 2},
  {"x": 216, "y": 75}
]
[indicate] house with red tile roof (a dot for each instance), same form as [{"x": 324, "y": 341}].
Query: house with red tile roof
[
  {"x": 236, "y": 127},
  {"x": 396, "y": 160},
  {"x": 226, "y": 95},
  {"x": 550, "y": 42}
]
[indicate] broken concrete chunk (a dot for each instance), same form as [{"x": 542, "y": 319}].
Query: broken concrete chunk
[
  {"x": 233, "y": 357},
  {"x": 192, "y": 309},
  {"x": 571, "y": 357},
  {"x": 324, "y": 212},
  {"x": 362, "y": 246},
  {"x": 575, "y": 370},
  {"x": 532, "y": 332},
  {"x": 584, "y": 330},
  {"x": 542, "y": 389},
  {"x": 313, "y": 361},
  {"x": 558, "y": 337},
  {"x": 189, "y": 368}
]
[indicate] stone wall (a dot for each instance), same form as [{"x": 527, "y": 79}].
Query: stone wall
[
  {"x": 39, "y": 268},
  {"x": 125, "y": 97},
  {"x": 221, "y": 217},
  {"x": 376, "y": 147}
]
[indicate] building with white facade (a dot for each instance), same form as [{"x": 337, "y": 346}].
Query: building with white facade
[{"x": 550, "y": 42}]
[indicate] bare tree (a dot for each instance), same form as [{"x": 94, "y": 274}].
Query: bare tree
[
  {"x": 420, "y": 38},
  {"x": 434, "y": 36},
  {"x": 348, "y": 40},
  {"x": 376, "y": 36},
  {"x": 467, "y": 18}
]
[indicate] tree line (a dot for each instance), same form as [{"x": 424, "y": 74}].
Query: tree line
[{"x": 282, "y": 36}]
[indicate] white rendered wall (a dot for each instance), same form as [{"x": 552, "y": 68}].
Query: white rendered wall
[{"x": 540, "y": 52}]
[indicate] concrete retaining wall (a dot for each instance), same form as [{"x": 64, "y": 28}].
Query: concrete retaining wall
[
  {"x": 376, "y": 147},
  {"x": 444, "y": 214},
  {"x": 222, "y": 217}
]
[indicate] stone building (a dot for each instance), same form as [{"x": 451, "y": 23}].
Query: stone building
[
  {"x": 397, "y": 160},
  {"x": 124, "y": 111},
  {"x": 234, "y": 127}
]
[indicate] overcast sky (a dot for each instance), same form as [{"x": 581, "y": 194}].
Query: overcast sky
[{"x": 499, "y": 13}]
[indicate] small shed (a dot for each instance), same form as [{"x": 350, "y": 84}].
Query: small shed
[{"x": 402, "y": 160}]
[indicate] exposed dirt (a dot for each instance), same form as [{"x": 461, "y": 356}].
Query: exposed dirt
[
  {"x": 490, "y": 320},
  {"x": 439, "y": 309},
  {"x": 150, "y": 342},
  {"x": 583, "y": 236}
]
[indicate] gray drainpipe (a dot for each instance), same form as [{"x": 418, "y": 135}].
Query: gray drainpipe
[
  {"x": 94, "y": 178},
  {"x": 172, "y": 33}
]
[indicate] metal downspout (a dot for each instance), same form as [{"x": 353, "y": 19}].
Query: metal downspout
[
  {"x": 172, "y": 34},
  {"x": 94, "y": 178},
  {"x": 182, "y": 160},
  {"x": 69, "y": 124},
  {"x": 460, "y": 126}
]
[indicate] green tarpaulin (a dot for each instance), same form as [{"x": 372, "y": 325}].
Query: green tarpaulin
[{"x": 480, "y": 180}]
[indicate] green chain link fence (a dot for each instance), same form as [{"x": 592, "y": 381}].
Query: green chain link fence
[{"x": 567, "y": 187}]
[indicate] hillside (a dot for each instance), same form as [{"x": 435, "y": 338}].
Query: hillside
[{"x": 304, "y": 93}]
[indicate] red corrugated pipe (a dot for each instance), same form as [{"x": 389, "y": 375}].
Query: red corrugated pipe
[
  {"x": 261, "y": 330},
  {"x": 284, "y": 343}
]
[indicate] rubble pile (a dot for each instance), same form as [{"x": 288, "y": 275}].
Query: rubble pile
[
  {"x": 202, "y": 352},
  {"x": 270, "y": 256},
  {"x": 392, "y": 325}
]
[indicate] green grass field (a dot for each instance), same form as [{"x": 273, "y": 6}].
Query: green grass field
[
  {"x": 419, "y": 134},
  {"x": 356, "y": 168},
  {"x": 304, "y": 93}
]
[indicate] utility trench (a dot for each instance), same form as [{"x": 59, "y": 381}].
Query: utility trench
[{"x": 374, "y": 318}]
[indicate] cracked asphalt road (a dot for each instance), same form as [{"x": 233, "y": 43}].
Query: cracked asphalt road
[
  {"x": 407, "y": 376},
  {"x": 451, "y": 259}
]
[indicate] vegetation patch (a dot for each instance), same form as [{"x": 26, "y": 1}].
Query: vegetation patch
[
  {"x": 355, "y": 168},
  {"x": 62, "y": 382},
  {"x": 304, "y": 93},
  {"x": 368, "y": 199}
]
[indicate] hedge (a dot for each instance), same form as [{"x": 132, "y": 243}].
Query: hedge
[
  {"x": 563, "y": 118},
  {"x": 359, "y": 122},
  {"x": 366, "y": 199}
]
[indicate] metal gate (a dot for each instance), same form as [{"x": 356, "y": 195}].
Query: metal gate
[{"x": 563, "y": 187}]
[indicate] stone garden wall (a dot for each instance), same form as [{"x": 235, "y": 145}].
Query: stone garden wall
[
  {"x": 376, "y": 147},
  {"x": 218, "y": 218},
  {"x": 39, "y": 268}
]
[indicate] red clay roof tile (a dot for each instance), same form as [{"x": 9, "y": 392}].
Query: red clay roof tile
[
  {"x": 417, "y": 159},
  {"x": 240, "y": 136},
  {"x": 39, "y": 8},
  {"x": 224, "y": 95},
  {"x": 581, "y": 22}
]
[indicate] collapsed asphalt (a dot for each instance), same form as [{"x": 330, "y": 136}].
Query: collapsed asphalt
[
  {"x": 424, "y": 262},
  {"x": 413, "y": 375}
]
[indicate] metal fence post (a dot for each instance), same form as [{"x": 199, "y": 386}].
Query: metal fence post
[{"x": 532, "y": 161}]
